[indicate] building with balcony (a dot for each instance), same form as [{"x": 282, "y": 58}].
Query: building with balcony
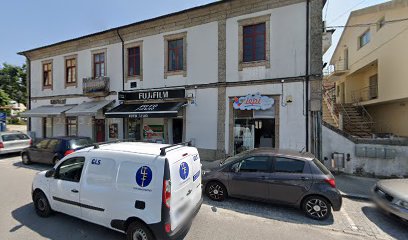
[
  {"x": 367, "y": 83},
  {"x": 228, "y": 76}
]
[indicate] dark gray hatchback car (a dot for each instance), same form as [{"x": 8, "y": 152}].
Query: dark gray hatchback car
[{"x": 278, "y": 176}]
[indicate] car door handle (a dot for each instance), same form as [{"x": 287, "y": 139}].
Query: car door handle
[
  {"x": 304, "y": 178},
  {"x": 74, "y": 191},
  {"x": 262, "y": 177}
]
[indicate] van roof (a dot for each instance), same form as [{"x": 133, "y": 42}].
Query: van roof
[{"x": 134, "y": 147}]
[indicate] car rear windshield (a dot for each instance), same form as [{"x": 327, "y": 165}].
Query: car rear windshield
[
  {"x": 321, "y": 167},
  {"x": 80, "y": 142},
  {"x": 13, "y": 137}
]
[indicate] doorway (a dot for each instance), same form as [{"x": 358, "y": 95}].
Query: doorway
[
  {"x": 99, "y": 130},
  {"x": 177, "y": 130}
]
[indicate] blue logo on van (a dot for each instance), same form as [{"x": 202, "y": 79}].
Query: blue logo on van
[
  {"x": 184, "y": 170},
  {"x": 144, "y": 176}
]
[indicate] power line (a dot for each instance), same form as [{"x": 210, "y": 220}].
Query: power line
[
  {"x": 369, "y": 24},
  {"x": 347, "y": 11}
]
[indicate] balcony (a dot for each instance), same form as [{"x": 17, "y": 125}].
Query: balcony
[
  {"x": 338, "y": 69},
  {"x": 96, "y": 87},
  {"x": 365, "y": 94}
]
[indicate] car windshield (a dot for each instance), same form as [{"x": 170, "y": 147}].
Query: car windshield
[
  {"x": 233, "y": 158},
  {"x": 80, "y": 142},
  {"x": 321, "y": 167}
]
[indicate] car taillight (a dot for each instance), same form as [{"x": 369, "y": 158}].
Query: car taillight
[
  {"x": 31, "y": 142},
  {"x": 167, "y": 193},
  {"x": 68, "y": 152},
  {"x": 1, "y": 145},
  {"x": 167, "y": 227},
  {"x": 331, "y": 182}
]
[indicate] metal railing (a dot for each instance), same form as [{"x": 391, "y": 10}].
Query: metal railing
[
  {"x": 329, "y": 96},
  {"x": 339, "y": 66},
  {"x": 98, "y": 86},
  {"x": 364, "y": 94}
]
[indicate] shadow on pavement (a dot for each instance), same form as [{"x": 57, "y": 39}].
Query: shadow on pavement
[
  {"x": 267, "y": 210},
  {"x": 6, "y": 156},
  {"x": 33, "y": 166},
  {"x": 389, "y": 224},
  {"x": 60, "y": 226}
]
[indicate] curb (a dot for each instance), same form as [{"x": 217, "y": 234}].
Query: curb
[{"x": 356, "y": 196}]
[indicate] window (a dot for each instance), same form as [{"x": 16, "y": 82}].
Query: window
[
  {"x": 175, "y": 52},
  {"x": 321, "y": 167},
  {"x": 134, "y": 61},
  {"x": 286, "y": 165},
  {"x": 47, "y": 75},
  {"x": 42, "y": 144},
  {"x": 72, "y": 126},
  {"x": 9, "y": 137},
  {"x": 255, "y": 164},
  {"x": 70, "y": 169},
  {"x": 381, "y": 23},
  {"x": 70, "y": 71},
  {"x": 22, "y": 137},
  {"x": 175, "y": 55},
  {"x": 254, "y": 42},
  {"x": 99, "y": 65},
  {"x": 53, "y": 144},
  {"x": 365, "y": 38},
  {"x": 77, "y": 143},
  {"x": 47, "y": 127}
]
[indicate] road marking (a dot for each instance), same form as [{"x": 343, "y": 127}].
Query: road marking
[{"x": 350, "y": 221}]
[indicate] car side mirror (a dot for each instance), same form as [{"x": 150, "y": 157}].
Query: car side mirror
[
  {"x": 235, "y": 168},
  {"x": 50, "y": 173}
]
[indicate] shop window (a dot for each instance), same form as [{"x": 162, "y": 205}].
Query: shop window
[
  {"x": 134, "y": 127},
  {"x": 72, "y": 126},
  {"x": 253, "y": 129}
]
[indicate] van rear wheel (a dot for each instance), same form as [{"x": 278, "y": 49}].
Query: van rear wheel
[{"x": 138, "y": 231}]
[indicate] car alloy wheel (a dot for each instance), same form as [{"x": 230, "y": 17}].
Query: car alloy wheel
[
  {"x": 216, "y": 191},
  {"x": 139, "y": 234},
  {"x": 317, "y": 208},
  {"x": 25, "y": 158}
]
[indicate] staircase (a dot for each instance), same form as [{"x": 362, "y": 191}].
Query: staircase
[
  {"x": 355, "y": 122},
  {"x": 327, "y": 116}
]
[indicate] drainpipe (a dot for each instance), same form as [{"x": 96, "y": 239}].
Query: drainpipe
[
  {"x": 123, "y": 76},
  {"x": 307, "y": 75},
  {"x": 28, "y": 63}
]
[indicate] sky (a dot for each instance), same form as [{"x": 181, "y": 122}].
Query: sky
[{"x": 28, "y": 24}]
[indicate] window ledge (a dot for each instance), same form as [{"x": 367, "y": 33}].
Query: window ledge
[
  {"x": 71, "y": 85},
  {"x": 265, "y": 63},
  {"x": 175, "y": 73},
  {"x": 47, "y": 87},
  {"x": 134, "y": 77}
]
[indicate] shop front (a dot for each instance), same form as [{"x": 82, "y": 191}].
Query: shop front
[
  {"x": 154, "y": 116},
  {"x": 253, "y": 122}
]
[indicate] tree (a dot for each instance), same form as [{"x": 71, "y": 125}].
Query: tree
[
  {"x": 13, "y": 80},
  {"x": 4, "y": 98}
]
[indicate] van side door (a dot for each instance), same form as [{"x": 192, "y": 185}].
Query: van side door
[
  {"x": 97, "y": 185},
  {"x": 64, "y": 188}
]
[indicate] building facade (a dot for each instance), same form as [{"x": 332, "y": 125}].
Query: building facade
[
  {"x": 368, "y": 66},
  {"x": 227, "y": 76}
]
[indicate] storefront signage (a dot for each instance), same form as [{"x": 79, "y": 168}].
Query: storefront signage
[
  {"x": 152, "y": 95},
  {"x": 253, "y": 102},
  {"x": 58, "y": 101}
]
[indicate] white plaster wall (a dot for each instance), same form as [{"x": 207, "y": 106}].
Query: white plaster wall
[
  {"x": 333, "y": 142},
  {"x": 291, "y": 119},
  {"x": 202, "y": 58},
  {"x": 84, "y": 68},
  {"x": 201, "y": 118},
  {"x": 287, "y": 45}
]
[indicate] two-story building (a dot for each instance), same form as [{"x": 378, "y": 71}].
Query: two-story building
[
  {"x": 228, "y": 76},
  {"x": 369, "y": 72}
]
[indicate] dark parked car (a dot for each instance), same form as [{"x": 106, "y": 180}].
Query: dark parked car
[
  {"x": 278, "y": 176},
  {"x": 51, "y": 150},
  {"x": 392, "y": 196}
]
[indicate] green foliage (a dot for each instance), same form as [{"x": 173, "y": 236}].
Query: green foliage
[
  {"x": 13, "y": 81},
  {"x": 4, "y": 98}
]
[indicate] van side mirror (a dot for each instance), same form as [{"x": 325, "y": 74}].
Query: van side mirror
[{"x": 50, "y": 173}]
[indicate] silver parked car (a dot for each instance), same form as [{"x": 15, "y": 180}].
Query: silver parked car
[
  {"x": 392, "y": 196},
  {"x": 11, "y": 142}
]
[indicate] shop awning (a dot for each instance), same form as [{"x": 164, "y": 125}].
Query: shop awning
[
  {"x": 148, "y": 110},
  {"x": 47, "y": 111},
  {"x": 88, "y": 108}
]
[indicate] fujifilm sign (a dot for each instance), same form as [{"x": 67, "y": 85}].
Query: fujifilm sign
[{"x": 153, "y": 95}]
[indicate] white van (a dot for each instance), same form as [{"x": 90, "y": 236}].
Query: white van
[{"x": 146, "y": 190}]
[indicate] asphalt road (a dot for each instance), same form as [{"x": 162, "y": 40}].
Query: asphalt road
[{"x": 233, "y": 219}]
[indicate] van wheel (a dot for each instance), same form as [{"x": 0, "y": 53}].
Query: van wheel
[
  {"x": 316, "y": 207},
  {"x": 41, "y": 204},
  {"x": 25, "y": 158},
  {"x": 138, "y": 231},
  {"x": 216, "y": 191}
]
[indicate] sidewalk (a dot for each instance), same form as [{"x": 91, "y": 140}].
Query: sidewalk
[{"x": 355, "y": 187}]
